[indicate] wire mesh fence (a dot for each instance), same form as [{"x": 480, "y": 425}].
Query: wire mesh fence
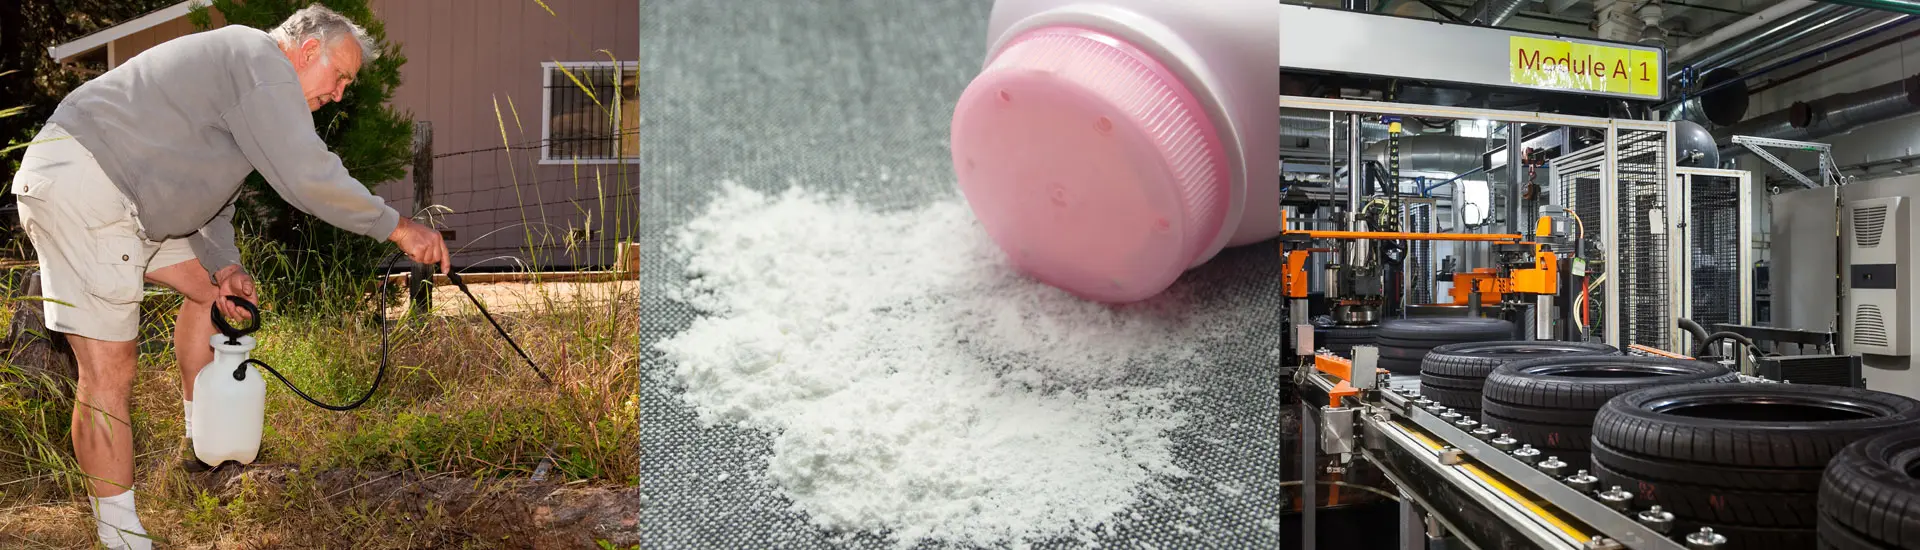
[
  {"x": 1642, "y": 181},
  {"x": 1420, "y": 258},
  {"x": 1714, "y": 231},
  {"x": 508, "y": 207},
  {"x": 1579, "y": 176}
]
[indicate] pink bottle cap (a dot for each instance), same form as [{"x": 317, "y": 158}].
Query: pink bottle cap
[{"x": 1090, "y": 164}]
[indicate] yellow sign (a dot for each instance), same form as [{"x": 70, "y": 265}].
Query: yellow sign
[{"x": 1584, "y": 67}]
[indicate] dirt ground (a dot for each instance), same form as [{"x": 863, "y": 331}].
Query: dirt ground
[{"x": 503, "y": 514}]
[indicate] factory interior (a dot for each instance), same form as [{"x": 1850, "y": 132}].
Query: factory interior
[{"x": 1600, "y": 274}]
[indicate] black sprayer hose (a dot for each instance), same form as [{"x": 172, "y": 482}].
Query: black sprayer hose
[{"x": 234, "y": 334}]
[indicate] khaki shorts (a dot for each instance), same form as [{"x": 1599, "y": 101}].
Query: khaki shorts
[{"x": 93, "y": 259}]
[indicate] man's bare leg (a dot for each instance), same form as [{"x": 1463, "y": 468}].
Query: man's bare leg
[
  {"x": 193, "y": 324},
  {"x": 103, "y": 436},
  {"x": 102, "y": 432}
]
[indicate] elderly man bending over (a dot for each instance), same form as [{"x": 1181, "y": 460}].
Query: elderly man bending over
[{"x": 145, "y": 187}]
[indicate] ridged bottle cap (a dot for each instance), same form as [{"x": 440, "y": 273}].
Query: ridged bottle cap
[{"x": 1090, "y": 164}]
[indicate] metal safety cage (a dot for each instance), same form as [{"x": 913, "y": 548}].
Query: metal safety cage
[
  {"x": 1577, "y": 179},
  {"x": 1419, "y": 283},
  {"x": 1644, "y": 239},
  {"x": 1627, "y": 183},
  {"x": 1719, "y": 246},
  {"x": 1629, "y": 208}
]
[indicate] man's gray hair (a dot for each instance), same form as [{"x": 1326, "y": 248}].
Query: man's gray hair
[{"x": 327, "y": 26}]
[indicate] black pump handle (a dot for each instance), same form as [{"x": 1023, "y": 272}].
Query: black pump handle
[{"x": 220, "y": 322}]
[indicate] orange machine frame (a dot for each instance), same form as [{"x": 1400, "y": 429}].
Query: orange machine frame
[
  {"x": 1543, "y": 278},
  {"x": 1341, "y": 369}
]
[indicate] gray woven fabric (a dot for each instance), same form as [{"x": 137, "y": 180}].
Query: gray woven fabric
[{"x": 832, "y": 95}]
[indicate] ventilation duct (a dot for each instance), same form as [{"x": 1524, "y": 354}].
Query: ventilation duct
[
  {"x": 1302, "y": 124},
  {"x": 1492, "y": 12},
  {"x": 1834, "y": 114},
  {"x": 1434, "y": 153}
]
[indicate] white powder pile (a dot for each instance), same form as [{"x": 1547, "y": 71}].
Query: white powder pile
[{"x": 913, "y": 384}]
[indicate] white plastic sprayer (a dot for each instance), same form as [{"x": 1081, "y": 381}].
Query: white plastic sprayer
[{"x": 230, "y": 397}]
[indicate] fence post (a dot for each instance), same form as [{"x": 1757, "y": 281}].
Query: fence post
[{"x": 420, "y": 292}]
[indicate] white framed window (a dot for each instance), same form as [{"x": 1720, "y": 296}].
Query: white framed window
[{"x": 589, "y": 112}]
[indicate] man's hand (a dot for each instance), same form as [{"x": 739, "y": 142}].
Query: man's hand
[
  {"x": 233, "y": 282},
  {"x": 421, "y": 243}
]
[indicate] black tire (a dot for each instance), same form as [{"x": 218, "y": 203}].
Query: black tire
[
  {"x": 1404, "y": 354},
  {"x": 1449, "y": 382},
  {"x": 1586, "y": 383},
  {"x": 1478, "y": 359},
  {"x": 1457, "y": 399},
  {"x": 1400, "y": 366},
  {"x": 1540, "y": 436},
  {"x": 1840, "y": 537},
  {"x": 1348, "y": 332},
  {"x": 1711, "y": 475},
  {"x": 1539, "y": 415},
  {"x": 1870, "y": 488},
  {"x": 1446, "y": 330},
  {"x": 1407, "y": 344},
  {"x": 1345, "y": 335},
  {"x": 1341, "y": 339},
  {"x": 1748, "y": 425},
  {"x": 1714, "y": 506}
]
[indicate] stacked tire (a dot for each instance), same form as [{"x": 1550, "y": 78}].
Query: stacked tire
[
  {"x": 1746, "y": 460},
  {"x": 1551, "y": 403},
  {"x": 1340, "y": 339},
  {"x": 1405, "y": 342},
  {"x": 1454, "y": 374},
  {"x": 1870, "y": 495}
]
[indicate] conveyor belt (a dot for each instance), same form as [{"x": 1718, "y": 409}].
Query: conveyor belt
[
  {"x": 831, "y": 95},
  {"x": 1484, "y": 495}
]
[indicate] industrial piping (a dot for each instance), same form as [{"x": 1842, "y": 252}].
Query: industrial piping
[
  {"x": 1801, "y": 55},
  {"x": 1773, "y": 15},
  {"x": 1838, "y": 113},
  {"x": 1492, "y": 12},
  {"x": 1306, "y": 124},
  {"x": 1908, "y": 7},
  {"x": 1771, "y": 36},
  {"x": 1774, "y": 44}
]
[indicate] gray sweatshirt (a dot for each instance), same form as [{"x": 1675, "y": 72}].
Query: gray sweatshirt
[{"x": 179, "y": 127}]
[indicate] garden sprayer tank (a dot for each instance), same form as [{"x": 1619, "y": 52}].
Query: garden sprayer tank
[{"x": 229, "y": 396}]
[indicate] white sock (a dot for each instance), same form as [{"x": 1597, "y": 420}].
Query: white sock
[
  {"x": 187, "y": 408},
  {"x": 117, "y": 524}
]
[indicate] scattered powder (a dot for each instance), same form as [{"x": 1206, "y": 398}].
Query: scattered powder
[
  {"x": 1230, "y": 489},
  {"x": 914, "y": 385}
]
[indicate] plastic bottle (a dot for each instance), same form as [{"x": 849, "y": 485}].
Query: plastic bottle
[
  {"x": 228, "y": 408},
  {"x": 1109, "y": 146}
]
